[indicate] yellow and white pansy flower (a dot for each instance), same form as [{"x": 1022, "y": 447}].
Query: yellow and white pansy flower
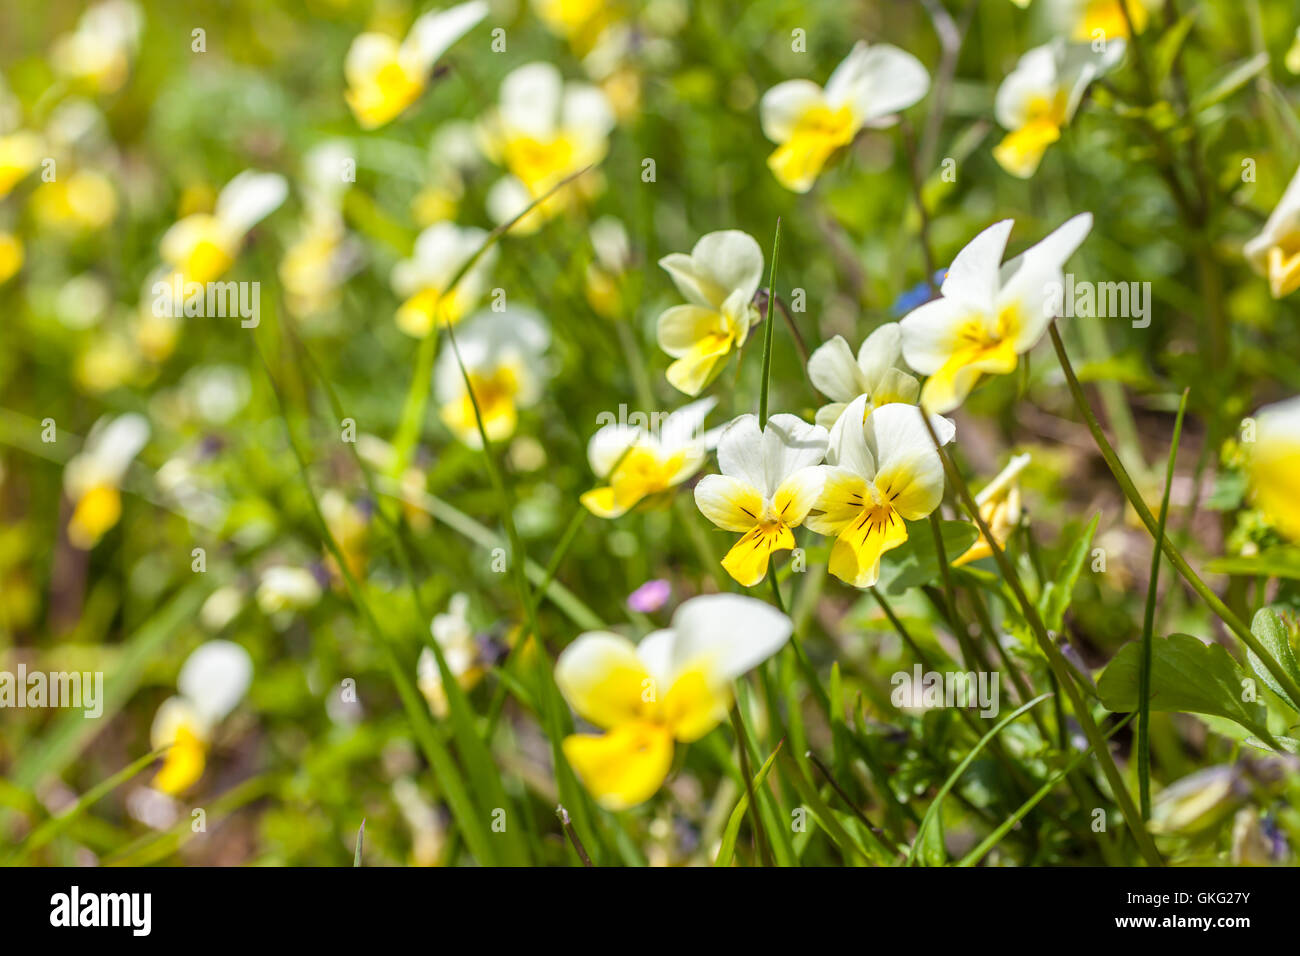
[
  {"x": 99, "y": 51},
  {"x": 285, "y": 588},
  {"x": 384, "y": 77},
  {"x": 502, "y": 353},
  {"x": 1096, "y": 21},
  {"x": 636, "y": 462},
  {"x": 460, "y": 649},
  {"x": 987, "y": 313},
  {"x": 92, "y": 479},
  {"x": 1273, "y": 465},
  {"x": 423, "y": 281},
  {"x": 323, "y": 256},
  {"x": 211, "y": 683},
  {"x": 999, "y": 506},
  {"x": 202, "y": 246},
  {"x": 770, "y": 480},
  {"x": 1041, "y": 95},
  {"x": 543, "y": 131},
  {"x": 1275, "y": 252},
  {"x": 882, "y": 471},
  {"x": 580, "y": 22},
  {"x": 810, "y": 123},
  {"x": 675, "y": 685},
  {"x": 878, "y": 373},
  {"x": 718, "y": 280}
]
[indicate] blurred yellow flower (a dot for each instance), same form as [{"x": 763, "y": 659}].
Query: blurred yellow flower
[
  {"x": 424, "y": 280},
  {"x": 211, "y": 683},
  {"x": 92, "y": 478},
  {"x": 201, "y": 247},
  {"x": 718, "y": 280},
  {"x": 460, "y": 650},
  {"x": 673, "y": 686},
  {"x": 543, "y": 131},
  {"x": 1275, "y": 252},
  {"x": 770, "y": 480},
  {"x": 11, "y": 256},
  {"x": 384, "y": 77},
  {"x": 85, "y": 200},
  {"x": 810, "y": 123},
  {"x": 502, "y": 354},
  {"x": 98, "y": 52},
  {"x": 1040, "y": 96},
  {"x": 20, "y": 153},
  {"x": 637, "y": 462},
  {"x": 1273, "y": 465},
  {"x": 999, "y": 506}
]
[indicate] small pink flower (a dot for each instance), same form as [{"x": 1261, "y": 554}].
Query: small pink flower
[{"x": 650, "y": 596}]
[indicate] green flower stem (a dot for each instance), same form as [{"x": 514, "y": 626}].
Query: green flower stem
[
  {"x": 767, "y": 330},
  {"x": 1055, "y": 660},
  {"x": 756, "y": 820},
  {"x": 1234, "y": 623},
  {"x": 1148, "y": 626}
]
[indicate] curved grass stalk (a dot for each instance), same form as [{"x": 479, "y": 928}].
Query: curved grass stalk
[
  {"x": 1225, "y": 613},
  {"x": 1148, "y": 625}
]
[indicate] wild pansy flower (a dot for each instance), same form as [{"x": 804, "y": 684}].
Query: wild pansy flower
[
  {"x": 202, "y": 246},
  {"x": 543, "y": 131},
  {"x": 673, "y": 686},
  {"x": 999, "y": 507},
  {"x": 460, "y": 650},
  {"x": 441, "y": 251},
  {"x": 92, "y": 479},
  {"x": 1273, "y": 465},
  {"x": 604, "y": 277},
  {"x": 323, "y": 256},
  {"x": 98, "y": 52},
  {"x": 502, "y": 353},
  {"x": 810, "y": 123},
  {"x": 878, "y": 373},
  {"x": 636, "y": 462},
  {"x": 987, "y": 313},
  {"x": 384, "y": 77},
  {"x": 1041, "y": 95},
  {"x": 718, "y": 280},
  {"x": 211, "y": 683},
  {"x": 882, "y": 470},
  {"x": 770, "y": 481},
  {"x": 1094, "y": 21},
  {"x": 1275, "y": 252}
]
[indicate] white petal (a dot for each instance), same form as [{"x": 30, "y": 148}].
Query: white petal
[
  {"x": 1033, "y": 77},
  {"x": 790, "y": 445},
  {"x": 587, "y": 113},
  {"x": 972, "y": 278},
  {"x": 879, "y": 352},
  {"x": 727, "y": 634},
  {"x": 833, "y": 371},
  {"x": 721, "y": 264},
  {"x": 530, "y": 99},
  {"x": 215, "y": 678},
  {"x": 784, "y": 104},
  {"x": 726, "y": 501},
  {"x": 1038, "y": 273},
  {"x": 1284, "y": 219},
  {"x": 847, "y": 447},
  {"x": 684, "y": 428},
  {"x": 600, "y": 676},
  {"x": 249, "y": 198},
  {"x": 656, "y": 653},
  {"x": 930, "y": 333},
  {"x": 877, "y": 81},
  {"x": 895, "y": 432},
  {"x": 740, "y": 452},
  {"x": 434, "y": 32}
]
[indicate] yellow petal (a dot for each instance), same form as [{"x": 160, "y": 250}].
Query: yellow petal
[
  {"x": 855, "y": 557},
  {"x": 96, "y": 512},
  {"x": 1283, "y": 271},
  {"x": 947, "y": 388},
  {"x": 623, "y": 767},
  {"x": 748, "y": 559},
  {"x": 1275, "y": 483},
  {"x": 1022, "y": 150},
  {"x": 604, "y": 680},
  {"x": 697, "y": 367},
  {"x": 695, "y": 704},
  {"x": 184, "y": 763},
  {"x": 818, "y": 133}
]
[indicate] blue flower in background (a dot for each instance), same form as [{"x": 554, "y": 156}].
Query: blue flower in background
[{"x": 916, "y": 296}]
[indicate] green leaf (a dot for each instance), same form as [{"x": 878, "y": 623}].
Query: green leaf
[
  {"x": 1186, "y": 676},
  {"x": 1275, "y": 637},
  {"x": 1236, "y": 77},
  {"x": 728, "y": 848},
  {"x": 361, "y": 836},
  {"x": 1275, "y": 563},
  {"x": 1058, "y": 593},
  {"x": 1168, "y": 47},
  {"x": 916, "y": 563}
]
